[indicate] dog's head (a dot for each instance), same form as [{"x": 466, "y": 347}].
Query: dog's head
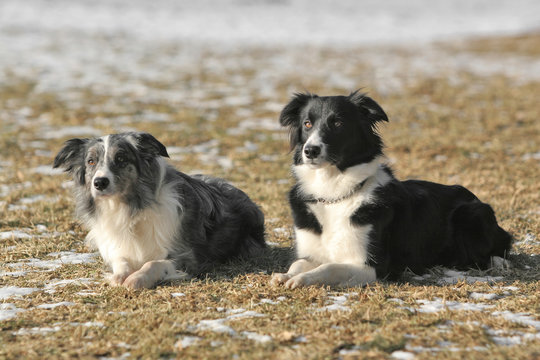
[
  {"x": 113, "y": 164},
  {"x": 333, "y": 130}
]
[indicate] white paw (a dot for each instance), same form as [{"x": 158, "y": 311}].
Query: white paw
[
  {"x": 138, "y": 281},
  {"x": 278, "y": 279},
  {"x": 298, "y": 281},
  {"x": 117, "y": 279}
]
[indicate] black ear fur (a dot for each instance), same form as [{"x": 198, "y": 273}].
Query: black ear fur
[
  {"x": 368, "y": 106},
  {"x": 150, "y": 144},
  {"x": 290, "y": 115},
  {"x": 71, "y": 158}
]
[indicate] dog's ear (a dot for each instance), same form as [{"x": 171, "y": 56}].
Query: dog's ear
[
  {"x": 290, "y": 116},
  {"x": 150, "y": 144},
  {"x": 368, "y": 106},
  {"x": 71, "y": 158}
]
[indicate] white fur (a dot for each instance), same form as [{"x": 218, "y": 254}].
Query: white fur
[
  {"x": 339, "y": 255},
  {"x": 328, "y": 182},
  {"x": 126, "y": 241},
  {"x": 316, "y": 140}
]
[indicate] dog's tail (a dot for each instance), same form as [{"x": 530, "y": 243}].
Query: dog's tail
[{"x": 477, "y": 235}]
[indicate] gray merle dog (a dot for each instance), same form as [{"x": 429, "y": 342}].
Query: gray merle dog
[{"x": 150, "y": 222}]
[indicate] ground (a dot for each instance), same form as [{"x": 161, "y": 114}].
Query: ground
[{"x": 460, "y": 112}]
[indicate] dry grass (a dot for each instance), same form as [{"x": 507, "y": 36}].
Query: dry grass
[{"x": 482, "y": 132}]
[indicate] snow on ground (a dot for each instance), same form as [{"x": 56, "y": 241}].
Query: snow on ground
[
  {"x": 55, "y": 305},
  {"x": 337, "y": 303},
  {"x": 61, "y": 258},
  {"x": 8, "y": 311},
  {"x": 7, "y": 292},
  {"x": 220, "y": 325}
]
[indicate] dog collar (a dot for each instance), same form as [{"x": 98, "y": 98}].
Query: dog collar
[{"x": 356, "y": 189}]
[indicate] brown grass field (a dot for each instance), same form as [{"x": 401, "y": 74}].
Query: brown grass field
[{"x": 449, "y": 124}]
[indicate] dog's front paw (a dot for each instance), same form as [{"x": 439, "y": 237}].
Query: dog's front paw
[
  {"x": 138, "y": 281},
  {"x": 117, "y": 279},
  {"x": 298, "y": 281},
  {"x": 279, "y": 278}
]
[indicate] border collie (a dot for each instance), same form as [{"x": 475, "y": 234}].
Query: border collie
[
  {"x": 354, "y": 221},
  {"x": 149, "y": 220}
]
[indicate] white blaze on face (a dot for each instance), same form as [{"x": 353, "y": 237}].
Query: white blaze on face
[
  {"x": 103, "y": 171},
  {"x": 314, "y": 140}
]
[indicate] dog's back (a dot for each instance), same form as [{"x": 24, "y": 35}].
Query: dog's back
[
  {"x": 233, "y": 225},
  {"x": 431, "y": 224}
]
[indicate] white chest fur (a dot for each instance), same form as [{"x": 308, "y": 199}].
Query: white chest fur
[
  {"x": 341, "y": 241},
  {"x": 147, "y": 236}
]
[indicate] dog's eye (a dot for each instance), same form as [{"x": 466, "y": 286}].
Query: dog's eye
[
  {"x": 91, "y": 162},
  {"x": 338, "y": 123},
  {"x": 308, "y": 124},
  {"x": 120, "y": 159}
]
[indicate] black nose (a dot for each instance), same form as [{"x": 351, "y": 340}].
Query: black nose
[
  {"x": 101, "y": 183},
  {"x": 312, "y": 151}
]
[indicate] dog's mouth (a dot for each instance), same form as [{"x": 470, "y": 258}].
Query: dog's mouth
[{"x": 316, "y": 163}]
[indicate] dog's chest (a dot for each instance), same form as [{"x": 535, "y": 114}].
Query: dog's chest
[
  {"x": 148, "y": 236},
  {"x": 341, "y": 240}
]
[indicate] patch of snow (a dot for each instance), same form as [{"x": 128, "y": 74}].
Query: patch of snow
[
  {"x": 8, "y": 311},
  {"x": 67, "y": 131},
  {"x": 257, "y": 337},
  {"x": 13, "y": 273},
  {"x": 55, "y": 305},
  {"x": 37, "y": 330},
  {"x": 402, "y": 355},
  {"x": 14, "y": 234},
  {"x": 438, "y": 305},
  {"x": 88, "y": 324},
  {"x": 47, "y": 170},
  {"x": 520, "y": 318},
  {"x": 33, "y": 199},
  {"x": 453, "y": 277},
  {"x": 529, "y": 156},
  {"x": 5, "y": 190},
  {"x": 15, "y": 291},
  {"x": 217, "y": 325},
  {"x": 64, "y": 257},
  {"x": 338, "y": 303},
  {"x": 187, "y": 341},
  {"x": 269, "y": 158},
  {"x": 51, "y": 286},
  {"x": 87, "y": 293},
  {"x": 301, "y": 339},
  {"x": 281, "y": 231},
  {"x": 178, "y": 294},
  {"x": 483, "y": 296}
]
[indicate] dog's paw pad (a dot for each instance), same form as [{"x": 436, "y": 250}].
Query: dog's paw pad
[{"x": 278, "y": 279}]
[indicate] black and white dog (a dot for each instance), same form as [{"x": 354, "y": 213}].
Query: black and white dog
[
  {"x": 149, "y": 220},
  {"x": 354, "y": 221}
]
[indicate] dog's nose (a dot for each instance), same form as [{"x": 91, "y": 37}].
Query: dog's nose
[
  {"x": 312, "y": 151},
  {"x": 101, "y": 183}
]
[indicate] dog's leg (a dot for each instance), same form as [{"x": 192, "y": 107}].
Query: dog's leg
[
  {"x": 333, "y": 275},
  {"x": 152, "y": 273},
  {"x": 121, "y": 270},
  {"x": 297, "y": 267}
]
